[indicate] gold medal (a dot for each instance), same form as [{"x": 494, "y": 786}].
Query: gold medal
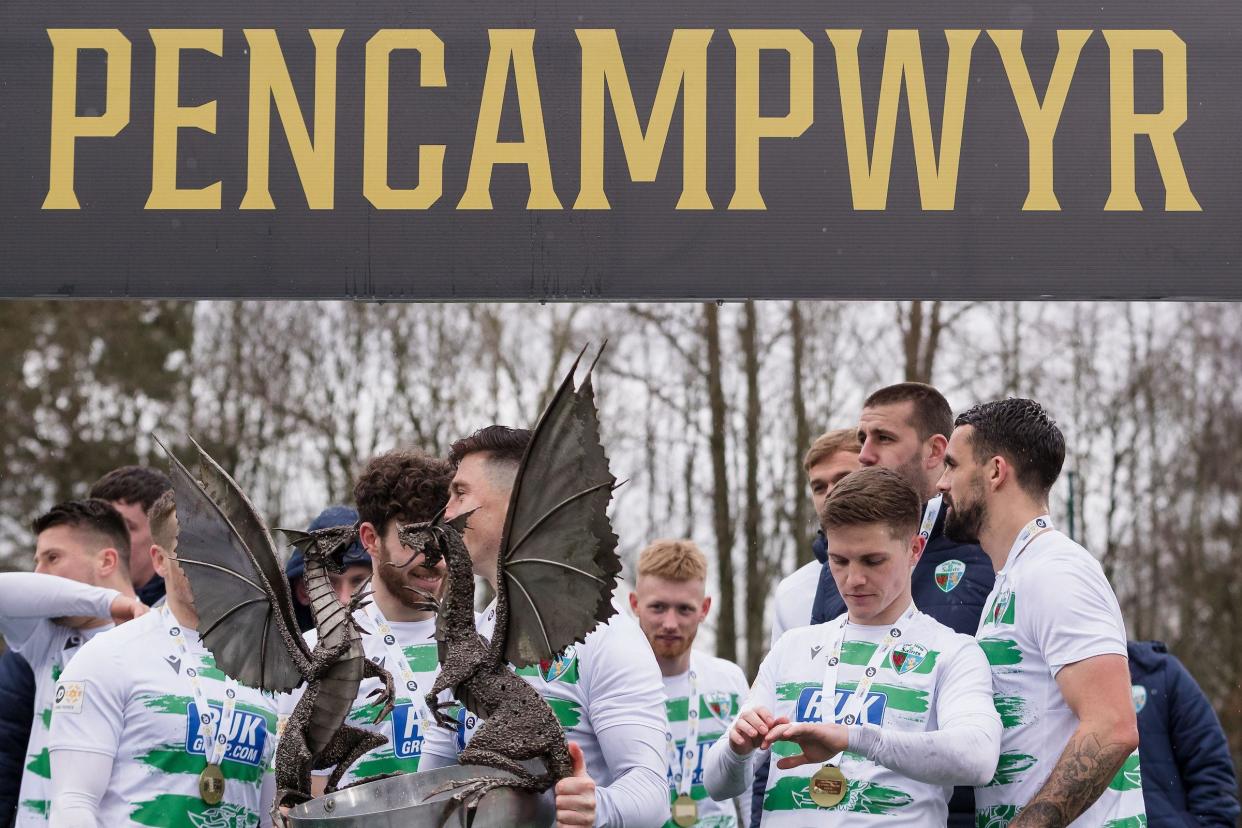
[
  {"x": 685, "y": 811},
  {"x": 211, "y": 785},
  {"x": 827, "y": 786}
]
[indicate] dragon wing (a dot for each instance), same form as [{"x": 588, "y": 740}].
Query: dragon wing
[
  {"x": 240, "y": 593},
  {"x": 558, "y": 557}
]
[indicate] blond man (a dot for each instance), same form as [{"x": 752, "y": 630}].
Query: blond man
[{"x": 702, "y": 693}]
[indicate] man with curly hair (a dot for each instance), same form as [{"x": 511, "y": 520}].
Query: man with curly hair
[{"x": 395, "y": 488}]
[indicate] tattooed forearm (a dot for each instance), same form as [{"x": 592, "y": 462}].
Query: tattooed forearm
[{"x": 1084, "y": 770}]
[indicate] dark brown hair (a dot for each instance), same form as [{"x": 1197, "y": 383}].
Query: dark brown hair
[
  {"x": 1022, "y": 432},
  {"x": 132, "y": 484},
  {"x": 931, "y": 414},
  {"x": 406, "y": 485},
  {"x": 874, "y": 495},
  {"x": 92, "y": 515},
  {"x": 504, "y": 445}
]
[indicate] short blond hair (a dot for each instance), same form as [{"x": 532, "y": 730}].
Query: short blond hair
[
  {"x": 673, "y": 560},
  {"x": 829, "y": 443}
]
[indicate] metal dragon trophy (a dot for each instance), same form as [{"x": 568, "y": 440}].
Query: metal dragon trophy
[
  {"x": 246, "y": 621},
  {"x": 556, "y": 573}
]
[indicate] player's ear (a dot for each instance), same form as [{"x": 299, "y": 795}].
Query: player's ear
[
  {"x": 369, "y": 536},
  {"x": 706, "y": 608},
  {"x": 108, "y": 561},
  {"x": 634, "y": 602}
]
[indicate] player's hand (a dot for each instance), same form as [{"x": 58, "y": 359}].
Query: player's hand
[
  {"x": 125, "y": 609},
  {"x": 819, "y": 742},
  {"x": 575, "y": 794},
  {"x": 750, "y": 728}
]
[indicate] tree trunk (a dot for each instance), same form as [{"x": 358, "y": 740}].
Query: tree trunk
[
  {"x": 756, "y": 571},
  {"x": 726, "y": 631},
  {"x": 801, "y": 442}
]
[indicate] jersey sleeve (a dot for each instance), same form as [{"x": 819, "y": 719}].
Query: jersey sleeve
[
  {"x": 725, "y": 773},
  {"x": 1074, "y": 612},
  {"x": 624, "y": 697},
  {"x": 29, "y": 599},
  {"x": 89, "y": 711},
  {"x": 964, "y": 747}
]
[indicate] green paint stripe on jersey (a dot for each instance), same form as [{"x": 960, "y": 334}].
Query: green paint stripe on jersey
[
  {"x": 791, "y": 690},
  {"x": 790, "y": 794},
  {"x": 381, "y": 762},
  {"x": 1001, "y": 652},
  {"x": 1128, "y": 778},
  {"x": 41, "y": 807},
  {"x": 423, "y": 658},
  {"x": 1136, "y": 821},
  {"x": 1012, "y": 710},
  {"x": 57, "y": 669},
  {"x": 45, "y": 716},
  {"x": 707, "y": 739},
  {"x": 568, "y": 713},
  {"x": 366, "y": 713},
  {"x": 41, "y": 765},
  {"x": 174, "y": 759},
  {"x": 1011, "y": 767},
  {"x": 180, "y": 705},
  {"x": 176, "y": 811},
  {"x": 679, "y": 708},
  {"x": 860, "y": 652},
  {"x": 997, "y": 816}
]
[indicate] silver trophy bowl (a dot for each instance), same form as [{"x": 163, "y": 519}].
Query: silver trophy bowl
[{"x": 397, "y": 802}]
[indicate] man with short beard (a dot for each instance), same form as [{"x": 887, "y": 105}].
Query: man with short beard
[
  {"x": 702, "y": 692},
  {"x": 1052, "y": 632},
  {"x": 393, "y": 489}
]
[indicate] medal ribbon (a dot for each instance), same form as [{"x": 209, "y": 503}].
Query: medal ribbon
[
  {"x": 215, "y": 734},
  {"x": 930, "y": 514},
  {"x": 683, "y": 772},
  {"x": 855, "y": 701},
  {"x": 406, "y": 694}
]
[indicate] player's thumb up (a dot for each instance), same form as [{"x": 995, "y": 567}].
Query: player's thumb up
[
  {"x": 575, "y": 794},
  {"x": 577, "y": 760}
]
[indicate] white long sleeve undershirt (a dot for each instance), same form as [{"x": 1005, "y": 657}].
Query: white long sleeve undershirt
[{"x": 27, "y": 599}]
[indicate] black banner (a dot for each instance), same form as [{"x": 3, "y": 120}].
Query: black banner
[{"x": 620, "y": 150}]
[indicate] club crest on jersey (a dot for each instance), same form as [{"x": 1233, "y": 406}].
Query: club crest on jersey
[
  {"x": 949, "y": 575},
  {"x": 721, "y": 706},
  {"x": 1139, "y": 694},
  {"x": 407, "y": 732},
  {"x": 558, "y": 667},
  {"x": 810, "y": 706},
  {"x": 907, "y": 657},
  {"x": 247, "y": 736},
  {"x": 1002, "y": 610}
]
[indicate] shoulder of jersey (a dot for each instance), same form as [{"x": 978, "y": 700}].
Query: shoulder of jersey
[
  {"x": 1057, "y": 549},
  {"x": 721, "y": 666},
  {"x": 796, "y": 636},
  {"x": 149, "y": 624},
  {"x": 802, "y": 576}
]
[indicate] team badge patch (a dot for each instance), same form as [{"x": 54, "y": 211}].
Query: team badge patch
[
  {"x": 949, "y": 575},
  {"x": 559, "y": 666},
  {"x": 907, "y": 657},
  {"x": 69, "y": 696},
  {"x": 721, "y": 707},
  {"x": 1139, "y": 694}
]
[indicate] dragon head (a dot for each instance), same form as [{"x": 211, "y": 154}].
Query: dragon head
[{"x": 325, "y": 546}]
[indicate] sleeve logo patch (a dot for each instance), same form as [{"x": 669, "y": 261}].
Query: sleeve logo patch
[{"x": 69, "y": 697}]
